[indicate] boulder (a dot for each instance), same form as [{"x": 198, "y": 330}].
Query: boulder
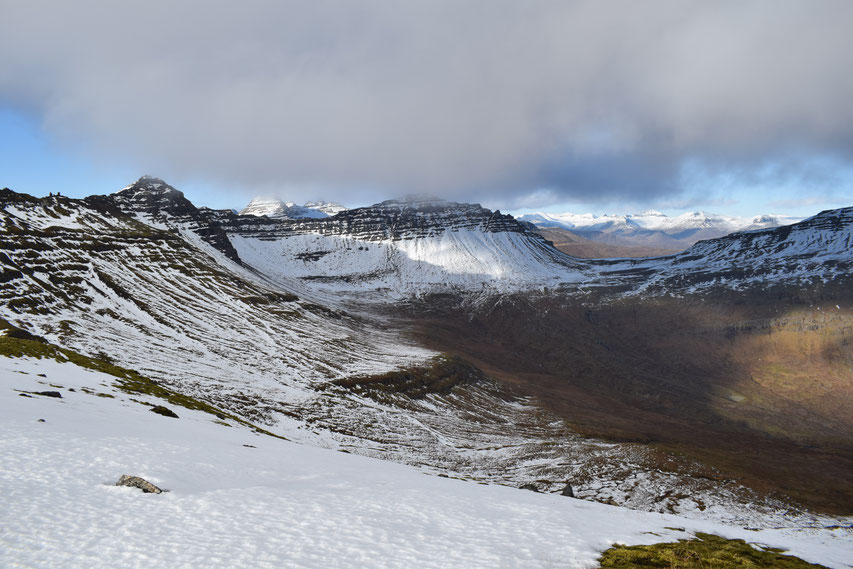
[
  {"x": 531, "y": 487},
  {"x": 567, "y": 491},
  {"x": 165, "y": 411},
  {"x": 56, "y": 394},
  {"x": 137, "y": 482}
]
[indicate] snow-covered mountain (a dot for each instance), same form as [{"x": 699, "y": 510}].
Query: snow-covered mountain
[
  {"x": 653, "y": 228},
  {"x": 403, "y": 247},
  {"x": 816, "y": 250},
  {"x": 274, "y": 207},
  {"x": 330, "y": 208},
  {"x": 255, "y": 314},
  {"x": 417, "y": 246},
  {"x": 400, "y": 247}
]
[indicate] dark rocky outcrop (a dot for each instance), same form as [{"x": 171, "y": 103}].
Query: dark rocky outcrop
[
  {"x": 56, "y": 394},
  {"x": 165, "y": 411}
]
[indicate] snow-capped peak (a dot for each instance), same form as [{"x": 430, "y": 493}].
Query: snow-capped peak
[
  {"x": 149, "y": 185},
  {"x": 274, "y": 207},
  {"x": 331, "y": 208},
  {"x": 269, "y": 206}
]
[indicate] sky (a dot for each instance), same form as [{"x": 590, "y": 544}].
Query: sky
[{"x": 735, "y": 106}]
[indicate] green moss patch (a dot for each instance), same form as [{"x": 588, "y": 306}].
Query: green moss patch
[
  {"x": 440, "y": 377},
  {"x": 127, "y": 380},
  {"x": 705, "y": 552}
]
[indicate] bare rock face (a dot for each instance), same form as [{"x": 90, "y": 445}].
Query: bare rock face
[{"x": 137, "y": 482}]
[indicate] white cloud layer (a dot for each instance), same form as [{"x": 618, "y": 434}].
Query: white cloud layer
[{"x": 487, "y": 100}]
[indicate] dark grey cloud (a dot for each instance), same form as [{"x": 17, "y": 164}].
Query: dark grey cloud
[{"x": 479, "y": 99}]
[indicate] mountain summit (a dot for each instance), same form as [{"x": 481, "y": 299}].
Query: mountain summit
[{"x": 274, "y": 207}]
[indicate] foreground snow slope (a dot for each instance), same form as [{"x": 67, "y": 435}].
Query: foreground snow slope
[{"x": 274, "y": 503}]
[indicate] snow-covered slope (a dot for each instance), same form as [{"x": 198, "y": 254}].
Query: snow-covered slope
[
  {"x": 653, "y": 228},
  {"x": 816, "y": 250},
  {"x": 274, "y": 207},
  {"x": 238, "y": 499}
]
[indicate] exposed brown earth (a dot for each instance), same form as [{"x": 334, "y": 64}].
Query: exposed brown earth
[
  {"x": 761, "y": 389},
  {"x": 577, "y": 246}
]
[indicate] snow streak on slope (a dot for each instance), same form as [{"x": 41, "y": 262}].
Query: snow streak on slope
[
  {"x": 237, "y": 499},
  {"x": 147, "y": 297}
]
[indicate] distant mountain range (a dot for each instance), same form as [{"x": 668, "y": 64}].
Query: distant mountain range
[{"x": 651, "y": 232}]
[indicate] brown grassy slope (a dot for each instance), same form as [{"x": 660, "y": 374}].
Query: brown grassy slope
[
  {"x": 761, "y": 391},
  {"x": 573, "y": 244}
]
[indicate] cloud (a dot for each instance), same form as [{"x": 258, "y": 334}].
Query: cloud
[
  {"x": 807, "y": 201},
  {"x": 493, "y": 100}
]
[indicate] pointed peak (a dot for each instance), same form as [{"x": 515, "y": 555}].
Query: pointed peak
[
  {"x": 265, "y": 205},
  {"x": 151, "y": 185},
  {"x": 150, "y": 182}
]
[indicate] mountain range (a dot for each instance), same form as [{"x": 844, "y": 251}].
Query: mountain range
[
  {"x": 650, "y": 232},
  {"x": 713, "y": 383}
]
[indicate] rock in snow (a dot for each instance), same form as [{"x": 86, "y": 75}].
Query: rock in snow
[
  {"x": 137, "y": 482},
  {"x": 165, "y": 411}
]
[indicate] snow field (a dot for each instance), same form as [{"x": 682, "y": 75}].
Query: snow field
[{"x": 276, "y": 503}]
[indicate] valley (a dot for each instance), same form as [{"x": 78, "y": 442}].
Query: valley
[{"x": 759, "y": 390}]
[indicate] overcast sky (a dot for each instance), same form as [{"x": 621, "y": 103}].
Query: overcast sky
[{"x": 519, "y": 105}]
